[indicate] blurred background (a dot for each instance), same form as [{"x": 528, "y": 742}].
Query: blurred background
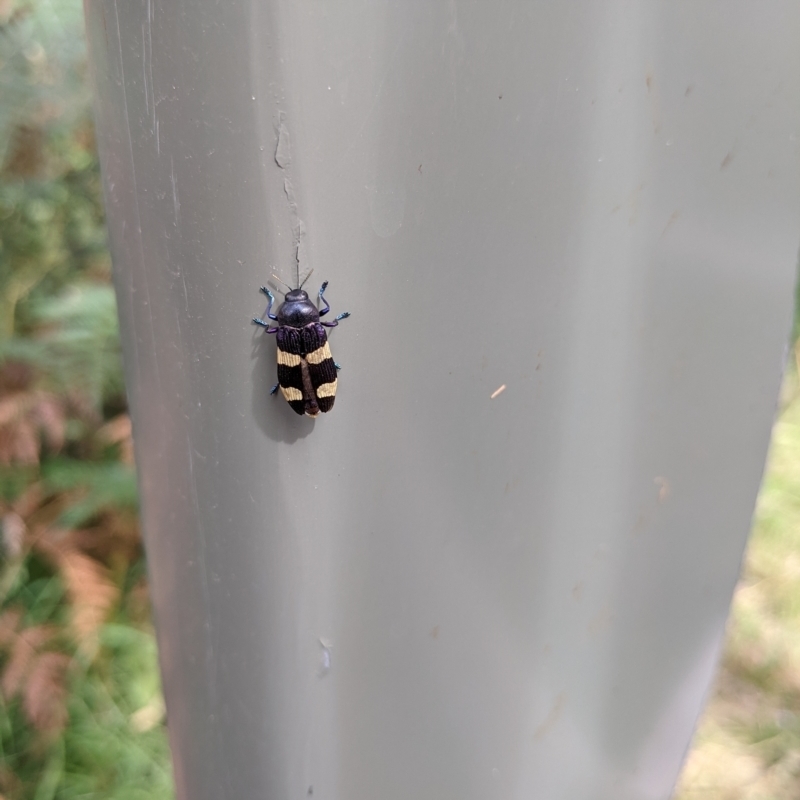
[{"x": 81, "y": 713}]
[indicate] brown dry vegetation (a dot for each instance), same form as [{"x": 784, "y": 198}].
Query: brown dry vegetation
[{"x": 81, "y": 713}]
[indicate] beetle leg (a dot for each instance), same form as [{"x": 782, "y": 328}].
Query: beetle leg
[
  {"x": 343, "y": 315},
  {"x": 274, "y": 389},
  {"x": 271, "y": 296},
  {"x": 263, "y": 324},
  {"x": 327, "y": 308}
]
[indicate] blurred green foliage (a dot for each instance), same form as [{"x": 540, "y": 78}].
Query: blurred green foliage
[
  {"x": 747, "y": 746},
  {"x": 81, "y": 713}
]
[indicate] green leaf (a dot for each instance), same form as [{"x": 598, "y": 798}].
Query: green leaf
[{"x": 108, "y": 485}]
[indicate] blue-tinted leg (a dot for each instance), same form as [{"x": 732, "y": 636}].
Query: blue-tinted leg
[
  {"x": 327, "y": 308},
  {"x": 338, "y": 366},
  {"x": 269, "y": 294},
  {"x": 259, "y": 321},
  {"x": 343, "y": 315},
  {"x": 274, "y": 389}
]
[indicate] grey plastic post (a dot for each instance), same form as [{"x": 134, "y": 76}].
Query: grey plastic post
[{"x": 438, "y": 590}]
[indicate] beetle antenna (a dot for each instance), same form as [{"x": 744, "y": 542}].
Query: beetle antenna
[
  {"x": 280, "y": 281},
  {"x": 306, "y": 278}
]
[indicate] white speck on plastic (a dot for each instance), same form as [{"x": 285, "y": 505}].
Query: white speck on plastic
[{"x": 326, "y": 657}]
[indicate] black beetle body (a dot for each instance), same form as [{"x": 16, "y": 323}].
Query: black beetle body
[{"x": 306, "y": 370}]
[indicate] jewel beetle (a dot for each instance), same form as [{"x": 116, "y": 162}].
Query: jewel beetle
[{"x": 306, "y": 370}]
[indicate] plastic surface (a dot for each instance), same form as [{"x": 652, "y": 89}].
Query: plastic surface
[{"x": 430, "y": 593}]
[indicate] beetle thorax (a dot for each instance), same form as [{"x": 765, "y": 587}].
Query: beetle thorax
[{"x": 297, "y": 310}]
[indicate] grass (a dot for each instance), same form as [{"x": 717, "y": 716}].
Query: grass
[{"x": 747, "y": 745}]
